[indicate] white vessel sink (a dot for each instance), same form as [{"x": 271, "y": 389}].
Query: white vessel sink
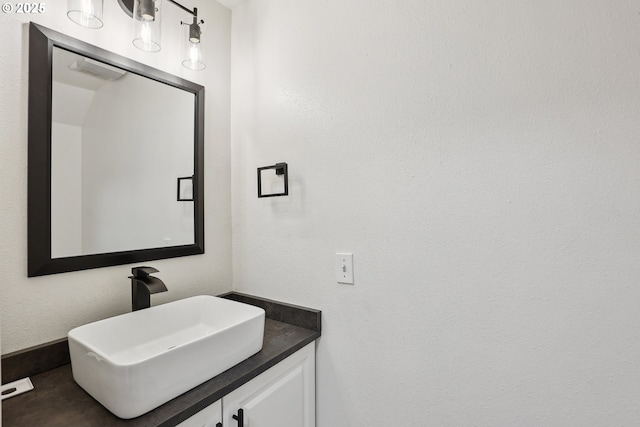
[{"x": 137, "y": 361}]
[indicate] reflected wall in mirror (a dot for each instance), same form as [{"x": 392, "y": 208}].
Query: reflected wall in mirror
[
  {"x": 113, "y": 166},
  {"x": 108, "y": 138}
]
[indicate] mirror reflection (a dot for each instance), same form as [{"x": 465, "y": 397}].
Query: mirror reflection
[
  {"x": 119, "y": 142},
  {"x": 109, "y": 139}
]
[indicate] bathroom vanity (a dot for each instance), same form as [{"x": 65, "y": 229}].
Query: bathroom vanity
[
  {"x": 148, "y": 366},
  {"x": 275, "y": 386},
  {"x": 282, "y": 396}
]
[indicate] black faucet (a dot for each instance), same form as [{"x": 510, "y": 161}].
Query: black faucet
[{"x": 143, "y": 285}]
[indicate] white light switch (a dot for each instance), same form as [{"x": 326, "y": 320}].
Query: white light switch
[{"x": 344, "y": 268}]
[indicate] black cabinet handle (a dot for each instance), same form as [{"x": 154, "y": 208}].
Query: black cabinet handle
[
  {"x": 219, "y": 425},
  {"x": 239, "y": 418}
]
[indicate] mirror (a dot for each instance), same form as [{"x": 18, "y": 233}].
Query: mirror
[{"x": 111, "y": 143}]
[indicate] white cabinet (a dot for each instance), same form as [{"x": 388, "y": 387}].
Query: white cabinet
[{"x": 282, "y": 396}]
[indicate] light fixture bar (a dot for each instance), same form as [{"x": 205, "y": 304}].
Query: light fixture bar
[
  {"x": 194, "y": 12},
  {"x": 127, "y": 7}
]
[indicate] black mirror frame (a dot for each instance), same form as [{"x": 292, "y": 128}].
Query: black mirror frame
[{"x": 41, "y": 43}]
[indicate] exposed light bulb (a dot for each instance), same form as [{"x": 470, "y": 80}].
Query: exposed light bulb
[
  {"x": 193, "y": 56},
  {"x": 87, "y": 12},
  {"x": 145, "y": 33}
]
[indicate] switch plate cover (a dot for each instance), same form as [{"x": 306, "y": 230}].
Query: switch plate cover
[{"x": 344, "y": 268}]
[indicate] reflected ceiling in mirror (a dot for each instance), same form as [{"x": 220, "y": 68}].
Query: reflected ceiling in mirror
[{"x": 106, "y": 149}]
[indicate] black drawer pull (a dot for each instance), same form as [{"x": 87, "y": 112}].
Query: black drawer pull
[{"x": 239, "y": 418}]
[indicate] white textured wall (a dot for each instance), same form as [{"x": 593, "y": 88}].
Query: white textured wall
[
  {"x": 482, "y": 162},
  {"x": 66, "y": 176},
  {"x": 35, "y": 310}
]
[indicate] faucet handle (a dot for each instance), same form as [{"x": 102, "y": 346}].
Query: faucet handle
[{"x": 141, "y": 272}]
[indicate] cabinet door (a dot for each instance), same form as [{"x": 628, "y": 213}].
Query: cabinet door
[
  {"x": 282, "y": 396},
  {"x": 211, "y": 416}
]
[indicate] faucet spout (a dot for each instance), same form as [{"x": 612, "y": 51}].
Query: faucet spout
[{"x": 143, "y": 285}]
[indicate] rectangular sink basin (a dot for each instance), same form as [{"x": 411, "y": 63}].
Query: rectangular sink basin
[{"x": 137, "y": 361}]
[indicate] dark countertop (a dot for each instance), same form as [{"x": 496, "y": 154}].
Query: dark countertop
[{"x": 57, "y": 400}]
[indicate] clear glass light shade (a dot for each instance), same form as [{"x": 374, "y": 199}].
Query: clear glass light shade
[
  {"x": 146, "y": 25},
  {"x": 87, "y": 13},
  {"x": 193, "y": 54}
]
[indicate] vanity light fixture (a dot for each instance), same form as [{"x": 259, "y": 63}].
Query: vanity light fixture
[
  {"x": 146, "y": 16},
  {"x": 193, "y": 56}
]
